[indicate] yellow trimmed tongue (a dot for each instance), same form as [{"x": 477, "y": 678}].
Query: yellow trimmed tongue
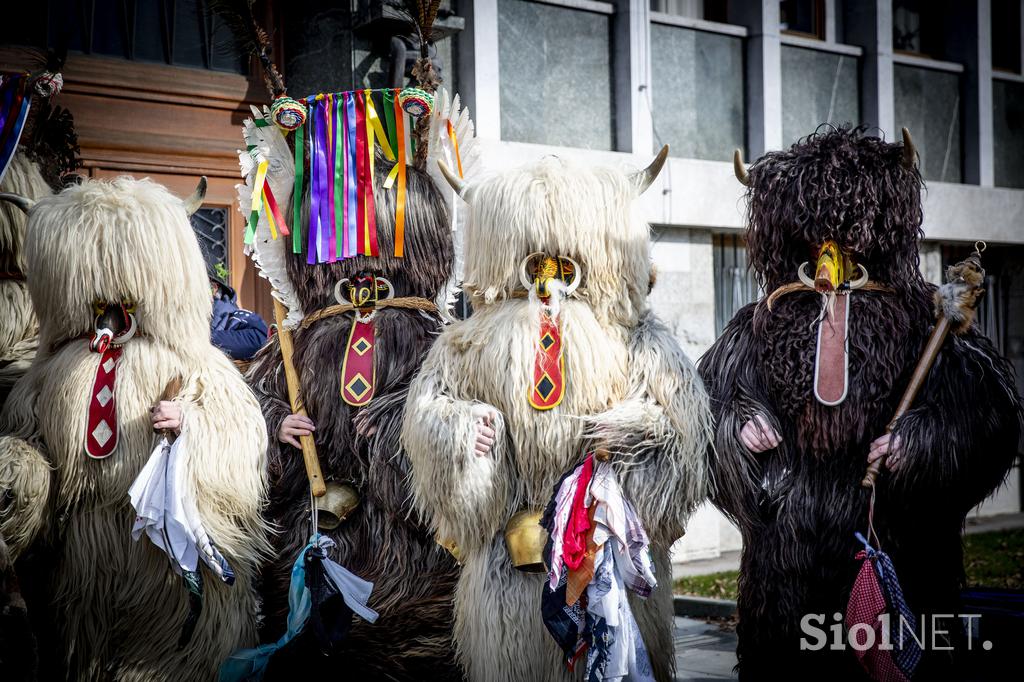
[{"x": 828, "y": 273}]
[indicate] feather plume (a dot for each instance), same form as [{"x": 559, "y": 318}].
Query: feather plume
[
  {"x": 421, "y": 15},
  {"x": 52, "y": 142},
  {"x": 250, "y": 38}
]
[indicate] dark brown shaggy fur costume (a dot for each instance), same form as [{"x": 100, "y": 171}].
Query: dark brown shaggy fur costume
[
  {"x": 383, "y": 540},
  {"x": 798, "y": 505}
]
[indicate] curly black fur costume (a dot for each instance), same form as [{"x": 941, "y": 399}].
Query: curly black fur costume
[
  {"x": 382, "y": 540},
  {"x": 798, "y": 505}
]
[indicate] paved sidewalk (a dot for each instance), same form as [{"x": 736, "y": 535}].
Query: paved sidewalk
[
  {"x": 703, "y": 651},
  {"x": 727, "y": 561},
  {"x": 991, "y": 524}
]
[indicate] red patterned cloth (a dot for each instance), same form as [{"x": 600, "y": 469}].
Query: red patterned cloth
[
  {"x": 580, "y": 578},
  {"x": 574, "y": 546},
  {"x": 866, "y": 604}
]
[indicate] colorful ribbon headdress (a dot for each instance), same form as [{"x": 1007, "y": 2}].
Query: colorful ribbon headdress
[
  {"x": 339, "y": 134},
  {"x": 342, "y": 133},
  {"x": 29, "y": 120}
]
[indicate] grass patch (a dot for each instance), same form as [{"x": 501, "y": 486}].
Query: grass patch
[
  {"x": 990, "y": 559},
  {"x": 995, "y": 559},
  {"x": 716, "y": 585}
]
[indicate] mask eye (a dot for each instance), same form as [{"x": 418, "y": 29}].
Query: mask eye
[
  {"x": 99, "y": 307},
  {"x": 129, "y": 306}
]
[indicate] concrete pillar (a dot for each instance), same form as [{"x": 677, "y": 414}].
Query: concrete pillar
[
  {"x": 970, "y": 43},
  {"x": 631, "y": 69},
  {"x": 833, "y": 22},
  {"x": 869, "y": 25},
  {"x": 764, "y": 73},
  {"x": 478, "y": 66}
]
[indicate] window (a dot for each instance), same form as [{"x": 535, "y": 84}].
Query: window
[
  {"x": 708, "y": 10},
  {"x": 803, "y": 17},
  {"x": 177, "y": 32},
  {"x": 555, "y": 75},
  {"x": 1008, "y": 132},
  {"x": 697, "y": 91},
  {"x": 817, "y": 87},
  {"x": 211, "y": 227},
  {"x": 927, "y": 101},
  {"x": 919, "y": 27},
  {"x": 735, "y": 283},
  {"x": 1006, "y": 30}
]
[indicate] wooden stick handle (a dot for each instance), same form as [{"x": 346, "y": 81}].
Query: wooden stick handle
[
  {"x": 309, "y": 456},
  {"x": 171, "y": 390},
  {"x": 924, "y": 365}
]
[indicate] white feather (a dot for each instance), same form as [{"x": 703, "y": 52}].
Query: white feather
[
  {"x": 270, "y": 255},
  {"x": 441, "y": 149}
]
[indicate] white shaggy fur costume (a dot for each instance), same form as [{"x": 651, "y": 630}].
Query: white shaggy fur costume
[
  {"x": 629, "y": 387},
  {"x": 118, "y": 606},
  {"x": 18, "y": 327}
]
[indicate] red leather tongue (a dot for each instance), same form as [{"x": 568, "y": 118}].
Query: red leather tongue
[
  {"x": 831, "y": 359},
  {"x": 358, "y": 372},
  {"x": 548, "y": 365},
  {"x": 101, "y": 425}
]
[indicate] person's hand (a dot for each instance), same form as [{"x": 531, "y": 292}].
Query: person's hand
[
  {"x": 166, "y": 415},
  {"x": 758, "y": 435},
  {"x": 293, "y": 427},
  {"x": 362, "y": 423},
  {"x": 890, "y": 447},
  {"x": 486, "y": 417}
]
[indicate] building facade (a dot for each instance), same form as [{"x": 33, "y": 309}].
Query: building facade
[{"x": 154, "y": 92}]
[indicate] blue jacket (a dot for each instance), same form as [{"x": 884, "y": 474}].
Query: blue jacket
[{"x": 239, "y": 333}]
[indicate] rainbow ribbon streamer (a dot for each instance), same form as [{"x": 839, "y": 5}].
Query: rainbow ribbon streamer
[
  {"x": 342, "y": 135},
  {"x": 15, "y": 101}
]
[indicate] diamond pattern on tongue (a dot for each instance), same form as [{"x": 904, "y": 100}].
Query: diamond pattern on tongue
[
  {"x": 104, "y": 396},
  {"x": 102, "y": 433},
  {"x": 548, "y": 366},
  {"x": 101, "y": 427}
]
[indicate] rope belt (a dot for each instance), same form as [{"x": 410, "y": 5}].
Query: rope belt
[
  {"x": 406, "y": 302},
  {"x": 800, "y": 286},
  {"x": 524, "y": 293}
]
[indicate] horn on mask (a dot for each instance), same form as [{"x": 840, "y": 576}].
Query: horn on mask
[
  {"x": 909, "y": 150},
  {"x": 24, "y": 203},
  {"x": 193, "y": 203},
  {"x": 739, "y": 168},
  {"x": 457, "y": 183},
  {"x": 645, "y": 178}
]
